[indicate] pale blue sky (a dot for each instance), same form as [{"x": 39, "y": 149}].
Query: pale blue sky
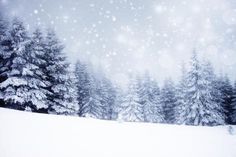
[{"x": 137, "y": 35}]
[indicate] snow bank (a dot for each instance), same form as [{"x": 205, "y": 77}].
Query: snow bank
[{"x": 25, "y": 134}]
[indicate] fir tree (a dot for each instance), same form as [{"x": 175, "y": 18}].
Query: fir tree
[
  {"x": 149, "y": 94},
  {"x": 83, "y": 84},
  {"x": 181, "y": 93},
  {"x": 233, "y": 104},
  {"x": 107, "y": 94},
  {"x": 131, "y": 108},
  {"x": 34, "y": 75},
  {"x": 203, "y": 98},
  {"x": 4, "y": 42},
  {"x": 14, "y": 88},
  {"x": 57, "y": 76},
  {"x": 169, "y": 101},
  {"x": 226, "y": 89},
  {"x": 96, "y": 107}
]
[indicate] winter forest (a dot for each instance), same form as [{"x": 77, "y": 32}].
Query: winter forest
[{"x": 36, "y": 76}]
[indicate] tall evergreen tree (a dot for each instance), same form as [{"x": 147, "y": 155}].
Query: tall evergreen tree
[
  {"x": 181, "y": 97},
  {"x": 149, "y": 94},
  {"x": 108, "y": 95},
  {"x": 4, "y": 42},
  {"x": 96, "y": 107},
  {"x": 233, "y": 104},
  {"x": 14, "y": 88},
  {"x": 203, "y": 97},
  {"x": 83, "y": 84},
  {"x": 57, "y": 75},
  {"x": 169, "y": 101},
  {"x": 131, "y": 108},
  {"x": 34, "y": 75},
  {"x": 226, "y": 89}
]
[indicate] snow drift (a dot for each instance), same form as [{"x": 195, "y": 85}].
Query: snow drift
[{"x": 24, "y": 134}]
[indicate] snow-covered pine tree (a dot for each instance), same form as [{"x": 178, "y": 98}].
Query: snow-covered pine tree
[
  {"x": 107, "y": 94},
  {"x": 149, "y": 94},
  {"x": 96, "y": 108},
  {"x": 181, "y": 94},
  {"x": 4, "y": 41},
  {"x": 169, "y": 101},
  {"x": 212, "y": 98},
  {"x": 83, "y": 83},
  {"x": 233, "y": 104},
  {"x": 57, "y": 75},
  {"x": 14, "y": 88},
  {"x": 33, "y": 73},
  {"x": 120, "y": 94},
  {"x": 4, "y": 37},
  {"x": 203, "y": 97},
  {"x": 95, "y": 93},
  {"x": 224, "y": 85},
  {"x": 130, "y": 108}
]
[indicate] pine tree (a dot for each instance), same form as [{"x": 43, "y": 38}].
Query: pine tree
[
  {"x": 34, "y": 75},
  {"x": 181, "y": 93},
  {"x": 169, "y": 101},
  {"x": 131, "y": 109},
  {"x": 226, "y": 89},
  {"x": 107, "y": 94},
  {"x": 203, "y": 97},
  {"x": 149, "y": 94},
  {"x": 214, "y": 112},
  {"x": 4, "y": 41},
  {"x": 83, "y": 84},
  {"x": 96, "y": 107},
  {"x": 14, "y": 88},
  {"x": 58, "y": 77},
  {"x": 233, "y": 104}
]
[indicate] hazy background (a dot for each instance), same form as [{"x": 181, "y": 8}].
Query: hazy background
[{"x": 122, "y": 36}]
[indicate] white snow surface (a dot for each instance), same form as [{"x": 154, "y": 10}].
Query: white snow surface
[{"x": 25, "y": 134}]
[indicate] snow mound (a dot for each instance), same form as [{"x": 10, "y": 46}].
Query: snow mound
[{"x": 24, "y": 134}]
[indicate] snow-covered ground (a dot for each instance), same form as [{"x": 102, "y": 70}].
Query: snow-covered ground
[{"x": 24, "y": 134}]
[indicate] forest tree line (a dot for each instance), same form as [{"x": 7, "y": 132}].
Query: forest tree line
[{"x": 36, "y": 76}]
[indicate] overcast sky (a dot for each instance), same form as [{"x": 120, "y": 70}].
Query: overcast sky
[{"x": 136, "y": 35}]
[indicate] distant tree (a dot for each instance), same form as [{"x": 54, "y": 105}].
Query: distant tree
[
  {"x": 181, "y": 94},
  {"x": 131, "y": 108},
  {"x": 226, "y": 89},
  {"x": 83, "y": 84},
  {"x": 233, "y": 115},
  {"x": 96, "y": 108},
  {"x": 149, "y": 94},
  {"x": 169, "y": 101},
  {"x": 108, "y": 95}
]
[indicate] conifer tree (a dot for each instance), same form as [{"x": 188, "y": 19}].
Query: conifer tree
[
  {"x": 131, "y": 108},
  {"x": 83, "y": 84},
  {"x": 14, "y": 88},
  {"x": 149, "y": 94},
  {"x": 203, "y": 97},
  {"x": 96, "y": 107},
  {"x": 169, "y": 101},
  {"x": 233, "y": 104},
  {"x": 107, "y": 94},
  {"x": 181, "y": 93},
  {"x": 4, "y": 42},
  {"x": 226, "y": 89},
  {"x": 58, "y": 77}
]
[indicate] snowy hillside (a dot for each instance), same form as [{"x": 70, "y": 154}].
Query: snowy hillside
[{"x": 25, "y": 134}]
